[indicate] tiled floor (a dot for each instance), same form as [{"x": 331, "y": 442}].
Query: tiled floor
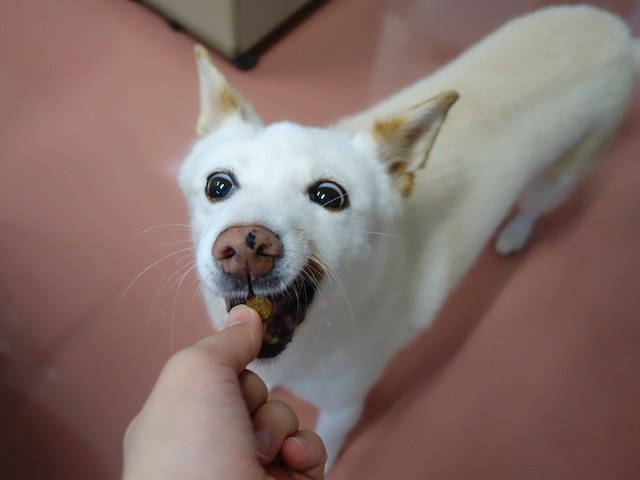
[{"x": 531, "y": 371}]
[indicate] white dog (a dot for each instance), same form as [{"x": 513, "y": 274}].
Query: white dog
[{"x": 352, "y": 240}]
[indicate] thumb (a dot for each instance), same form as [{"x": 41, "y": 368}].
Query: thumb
[{"x": 239, "y": 343}]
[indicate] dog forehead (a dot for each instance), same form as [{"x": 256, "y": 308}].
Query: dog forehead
[
  {"x": 295, "y": 143},
  {"x": 288, "y": 152}
]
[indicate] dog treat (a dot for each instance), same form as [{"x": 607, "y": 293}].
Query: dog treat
[
  {"x": 261, "y": 305},
  {"x": 270, "y": 339}
]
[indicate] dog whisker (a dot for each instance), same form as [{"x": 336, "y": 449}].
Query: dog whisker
[
  {"x": 384, "y": 232},
  {"x": 150, "y": 267},
  {"x": 180, "y": 280},
  {"x": 175, "y": 283},
  {"x": 334, "y": 280},
  {"x": 388, "y": 235},
  {"x": 172, "y": 281},
  {"x": 183, "y": 226},
  {"x": 178, "y": 287},
  {"x": 176, "y": 279}
]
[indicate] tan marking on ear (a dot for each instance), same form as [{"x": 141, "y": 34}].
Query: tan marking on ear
[
  {"x": 404, "y": 141},
  {"x": 200, "y": 52},
  {"x": 385, "y": 130},
  {"x": 404, "y": 183},
  {"x": 448, "y": 98},
  {"x": 202, "y": 127},
  {"x": 398, "y": 168},
  {"x": 218, "y": 100},
  {"x": 227, "y": 101}
]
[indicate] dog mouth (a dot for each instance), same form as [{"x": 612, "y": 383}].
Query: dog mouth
[{"x": 288, "y": 310}]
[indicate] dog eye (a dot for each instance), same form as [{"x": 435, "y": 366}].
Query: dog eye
[
  {"x": 329, "y": 195},
  {"x": 219, "y": 185}
]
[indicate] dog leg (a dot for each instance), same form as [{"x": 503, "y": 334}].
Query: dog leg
[
  {"x": 333, "y": 426},
  {"x": 550, "y": 188},
  {"x": 539, "y": 196}
]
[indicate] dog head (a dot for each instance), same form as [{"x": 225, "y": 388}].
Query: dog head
[{"x": 276, "y": 209}]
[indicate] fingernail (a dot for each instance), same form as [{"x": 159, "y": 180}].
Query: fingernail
[
  {"x": 304, "y": 445},
  {"x": 238, "y": 315},
  {"x": 263, "y": 441}
]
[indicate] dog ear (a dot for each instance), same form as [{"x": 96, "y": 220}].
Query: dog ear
[
  {"x": 404, "y": 141},
  {"x": 219, "y": 102}
]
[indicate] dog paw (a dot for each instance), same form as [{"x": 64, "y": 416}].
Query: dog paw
[{"x": 513, "y": 237}]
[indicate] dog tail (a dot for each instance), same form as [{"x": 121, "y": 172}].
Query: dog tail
[{"x": 636, "y": 57}]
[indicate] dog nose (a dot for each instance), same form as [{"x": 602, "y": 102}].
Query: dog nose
[{"x": 246, "y": 251}]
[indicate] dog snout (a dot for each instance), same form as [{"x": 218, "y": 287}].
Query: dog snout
[{"x": 246, "y": 251}]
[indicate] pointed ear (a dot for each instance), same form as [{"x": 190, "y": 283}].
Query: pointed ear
[
  {"x": 219, "y": 102},
  {"x": 403, "y": 142}
]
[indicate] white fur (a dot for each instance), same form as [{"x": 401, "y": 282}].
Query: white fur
[{"x": 539, "y": 101}]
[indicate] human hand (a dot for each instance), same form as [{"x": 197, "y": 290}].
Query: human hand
[{"x": 209, "y": 418}]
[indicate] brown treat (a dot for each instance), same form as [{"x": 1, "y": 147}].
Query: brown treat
[
  {"x": 262, "y": 306},
  {"x": 270, "y": 339}
]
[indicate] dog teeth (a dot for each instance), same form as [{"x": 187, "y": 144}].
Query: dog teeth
[{"x": 261, "y": 305}]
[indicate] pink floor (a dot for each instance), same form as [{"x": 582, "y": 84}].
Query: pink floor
[{"x": 531, "y": 371}]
